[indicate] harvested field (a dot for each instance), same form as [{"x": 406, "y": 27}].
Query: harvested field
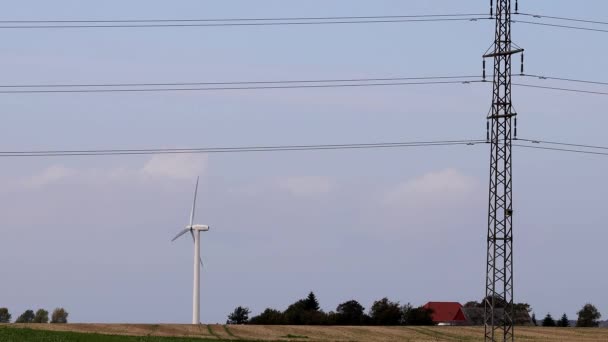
[{"x": 320, "y": 334}]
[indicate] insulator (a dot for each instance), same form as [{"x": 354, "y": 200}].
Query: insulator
[
  {"x": 488, "y": 130},
  {"x": 516, "y": 127},
  {"x": 516, "y": 6},
  {"x": 522, "y": 63},
  {"x": 491, "y": 8},
  {"x": 484, "y": 69}
]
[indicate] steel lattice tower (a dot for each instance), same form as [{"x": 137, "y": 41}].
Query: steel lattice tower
[{"x": 499, "y": 272}]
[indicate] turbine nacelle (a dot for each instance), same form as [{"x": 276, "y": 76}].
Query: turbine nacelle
[{"x": 199, "y": 227}]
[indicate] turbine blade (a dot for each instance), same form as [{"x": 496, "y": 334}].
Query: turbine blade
[
  {"x": 192, "y": 233},
  {"x": 201, "y": 260},
  {"x": 194, "y": 203},
  {"x": 180, "y": 234}
]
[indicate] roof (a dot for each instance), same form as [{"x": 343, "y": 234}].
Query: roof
[{"x": 446, "y": 311}]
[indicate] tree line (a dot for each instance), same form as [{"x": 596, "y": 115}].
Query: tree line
[
  {"x": 588, "y": 317},
  {"x": 307, "y": 311},
  {"x": 475, "y": 311},
  {"x": 58, "y": 316},
  {"x": 385, "y": 312}
]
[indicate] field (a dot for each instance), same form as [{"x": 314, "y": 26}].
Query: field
[{"x": 188, "y": 333}]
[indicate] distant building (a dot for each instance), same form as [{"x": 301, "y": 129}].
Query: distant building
[{"x": 447, "y": 313}]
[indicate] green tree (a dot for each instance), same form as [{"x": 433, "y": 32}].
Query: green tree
[
  {"x": 240, "y": 315},
  {"x": 311, "y": 303},
  {"x": 588, "y": 316},
  {"x": 473, "y": 304},
  {"x": 41, "y": 316},
  {"x": 5, "y": 316},
  {"x": 548, "y": 321},
  {"x": 521, "y": 314},
  {"x": 499, "y": 302},
  {"x": 385, "y": 312},
  {"x": 417, "y": 316},
  {"x": 296, "y": 313},
  {"x": 350, "y": 313},
  {"x": 59, "y": 316},
  {"x": 26, "y": 317},
  {"x": 564, "y": 322},
  {"x": 305, "y": 312},
  {"x": 269, "y": 317}
]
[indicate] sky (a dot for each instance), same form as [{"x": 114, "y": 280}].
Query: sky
[{"x": 92, "y": 234}]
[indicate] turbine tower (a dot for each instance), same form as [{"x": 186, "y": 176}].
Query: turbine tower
[{"x": 195, "y": 230}]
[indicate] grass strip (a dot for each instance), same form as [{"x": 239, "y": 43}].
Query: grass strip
[
  {"x": 230, "y": 333},
  {"x": 212, "y": 333},
  {"x": 435, "y": 332},
  {"x": 9, "y": 334},
  {"x": 294, "y": 336}
]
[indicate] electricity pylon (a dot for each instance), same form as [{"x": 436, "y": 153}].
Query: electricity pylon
[{"x": 499, "y": 273}]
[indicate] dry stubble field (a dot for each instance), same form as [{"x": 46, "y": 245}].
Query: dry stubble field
[{"x": 325, "y": 334}]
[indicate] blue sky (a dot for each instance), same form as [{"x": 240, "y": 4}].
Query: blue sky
[{"x": 92, "y": 234}]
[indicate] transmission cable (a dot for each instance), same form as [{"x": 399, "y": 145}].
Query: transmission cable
[
  {"x": 536, "y": 141},
  {"x": 261, "y": 87},
  {"x": 276, "y": 85},
  {"x": 248, "y": 149},
  {"x": 286, "y": 148},
  {"x": 560, "y": 26},
  {"x": 463, "y": 78},
  {"x": 241, "y": 19},
  {"x": 561, "y": 89},
  {"x": 541, "y": 16},
  {"x": 167, "y": 84},
  {"x": 561, "y": 149},
  {"x": 341, "y": 82},
  {"x": 542, "y": 77},
  {"x": 58, "y": 24}
]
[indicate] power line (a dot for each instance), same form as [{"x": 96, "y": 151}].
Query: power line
[
  {"x": 563, "y": 144},
  {"x": 465, "y": 16},
  {"x": 318, "y": 83},
  {"x": 295, "y": 148},
  {"x": 560, "y": 26},
  {"x": 226, "y": 24},
  {"x": 243, "y": 19},
  {"x": 247, "y": 149},
  {"x": 541, "y": 16},
  {"x": 561, "y": 89},
  {"x": 271, "y": 87},
  {"x": 565, "y": 79},
  {"x": 167, "y": 84},
  {"x": 276, "y": 85},
  {"x": 561, "y": 149},
  {"x": 393, "y": 80}
]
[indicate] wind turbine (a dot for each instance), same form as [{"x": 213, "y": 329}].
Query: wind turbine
[{"x": 195, "y": 230}]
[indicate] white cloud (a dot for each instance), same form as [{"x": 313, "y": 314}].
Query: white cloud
[
  {"x": 297, "y": 186},
  {"x": 441, "y": 186},
  {"x": 175, "y": 166},
  {"x": 52, "y": 174},
  {"x": 165, "y": 167},
  {"x": 305, "y": 186},
  {"x": 436, "y": 202}
]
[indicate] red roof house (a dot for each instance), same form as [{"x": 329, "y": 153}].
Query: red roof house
[{"x": 447, "y": 313}]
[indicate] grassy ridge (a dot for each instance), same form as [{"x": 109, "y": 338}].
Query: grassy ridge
[{"x": 8, "y": 334}]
